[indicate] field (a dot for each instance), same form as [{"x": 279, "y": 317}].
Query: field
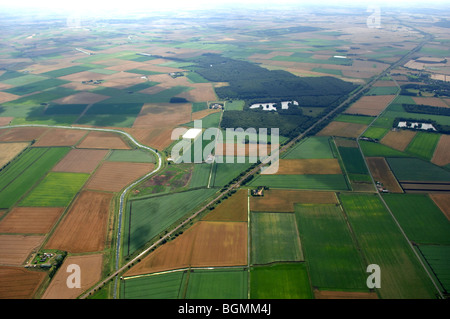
[
  {"x": 60, "y": 137},
  {"x": 414, "y": 169},
  {"x": 138, "y": 156},
  {"x": 443, "y": 202},
  {"x": 91, "y": 269},
  {"x": 274, "y": 238},
  {"x": 80, "y": 161},
  {"x": 423, "y": 145},
  {"x": 343, "y": 129},
  {"x": 381, "y": 242},
  {"x": 103, "y": 140},
  {"x": 10, "y": 150},
  {"x": 307, "y": 182},
  {"x": 308, "y": 166},
  {"x": 370, "y": 149},
  {"x": 14, "y": 249},
  {"x": 19, "y": 283},
  {"x": 353, "y": 161},
  {"x": 30, "y": 220},
  {"x": 376, "y": 132},
  {"x": 113, "y": 176},
  {"x": 441, "y": 154},
  {"x": 280, "y": 281},
  {"x": 370, "y": 105},
  {"x": 331, "y": 267},
  {"x": 398, "y": 140},
  {"x": 383, "y": 174},
  {"x": 231, "y": 209},
  {"x": 147, "y": 217},
  {"x": 316, "y": 147},
  {"x": 277, "y": 200},
  {"x": 422, "y": 221},
  {"x": 25, "y": 171},
  {"x": 21, "y": 134},
  {"x": 438, "y": 257},
  {"x": 55, "y": 190}
]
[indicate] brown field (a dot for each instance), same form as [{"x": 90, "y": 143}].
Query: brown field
[
  {"x": 126, "y": 65},
  {"x": 113, "y": 176},
  {"x": 19, "y": 283},
  {"x": 342, "y": 129},
  {"x": 201, "y": 92},
  {"x": 78, "y": 86},
  {"x": 158, "y": 138},
  {"x": 384, "y": 83},
  {"x": 382, "y": 173},
  {"x": 370, "y": 105},
  {"x": 345, "y": 142},
  {"x": 81, "y": 98},
  {"x": 204, "y": 244},
  {"x": 60, "y": 137},
  {"x": 433, "y": 101},
  {"x": 30, "y": 220},
  {"x": 443, "y": 202},
  {"x": 90, "y": 269},
  {"x": 22, "y": 134},
  {"x": 233, "y": 208},
  {"x": 201, "y": 114},
  {"x": 6, "y": 97},
  {"x": 122, "y": 80},
  {"x": 277, "y": 200},
  {"x": 103, "y": 140},
  {"x": 80, "y": 161},
  {"x": 14, "y": 249},
  {"x": 398, "y": 139},
  {"x": 308, "y": 166},
  {"x": 5, "y": 121},
  {"x": 84, "y": 227},
  {"x": 441, "y": 154},
  {"x": 10, "y": 150},
  {"x": 344, "y": 295},
  {"x": 83, "y": 76}
]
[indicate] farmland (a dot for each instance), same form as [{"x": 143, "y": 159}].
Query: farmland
[{"x": 112, "y": 96}]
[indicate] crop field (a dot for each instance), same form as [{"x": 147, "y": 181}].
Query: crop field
[
  {"x": 234, "y": 208},
  {"x": 25, "y": 171},
  {"x": 91, "y": 266},
  {"x": 158, "y": 286},
  {"x": 10, "y": 150},
  {"x": 200, "y": 175},
  {"x": 376, "y": 132},
  {"x": 383, "y": 90},
  {"x": 113, "y": 176},
  {"x": 81, "y": 98},
  {"x": 19, "y": 283},
  {"x": 381, "y": 242},
  {"x": 90, "y": 212},
  {"x": 35, "y": 86},
  {"x": 353, "y": 161},
  {"x": 370, "y": 105},
  {"x": 312, "y": 182},
  {"x": 60, "y": 137},
  {"x": 137, "y": 156},
  {"x": 414, "y": 169},
  {"x": 371, "y": 149},
  {"x": 441, "y": 154},
  {"x": 308, "y": 166},
  {"x": 57, "y": 189},
  {"x": 80, "y": 161},
  {"x": 280, "y": 281},
  {"x": 443, "y": 202},
  {"x": 334, "y": 262},
  {"x": 274, "y": 238},
  {"x": 343, "y": 129},
  {"x": 422, "y": 221},
  {"x": 423, "y": 145},
  {"x": 147, "y": 217},
  {"x": 14, "y": 249},
  {"x": 358, "y": 119},
  {"x": 223, "y": 173},
  {"x": 30, "y": 220},
  {"x": 278, "y": 200},
  {"x": 398, "y": 140},
  {"x": 438, "y": 258},
  {"x": 312, "y": 147},
  {"x": 382, "y": 173},
  {"x": 103, "y": 140}
]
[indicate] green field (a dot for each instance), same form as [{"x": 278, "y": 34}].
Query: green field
[
  {"x": 353, "y": 161},
  {"x": 55, "y": 190},
  {"x": 210, "y": 120},
  {"x": 231, "y": 283},
  {"x": 236, "y": 105},
  {"x": 280, "y": 281},
  {"x": 137, "y": 156},
  {"x": 438, "y": 259},
  {"x": 198, "y": 106},
  {"x": 25, "y": 171},
  {"x": 371, "y": 149},
  {"x": 423, "y": 145},
  {"x": 383, "y": 90},
  {"x": 314, "y": 182},
  {"x": 223, "y": 173},
  {"x": 23, "y": 79},
  {"x": 196, "y": 78},
  {"x": 311, "y": 147},
  {"x": 42, "y": 97},
  {"x": 375, "y": 132},
  {"x": 274, "y": 238},
  {"x": 35, "y": 86},
  {"x": 334, "y": 262},
  {"x": 414, "y": 169},
  {"x": 149, "y": 216},
  {"x": 327, "y": 71},
  {"x": 108, "y": 120},
  {"x": 420, "y": 218},
  {"x": 159, "y": 286},
  {"x": 66, "y": 71},
  {"x": 200, "y": 176},
  {"x": 64, "y": 109},
  {"x": 383, "y": 244}
]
